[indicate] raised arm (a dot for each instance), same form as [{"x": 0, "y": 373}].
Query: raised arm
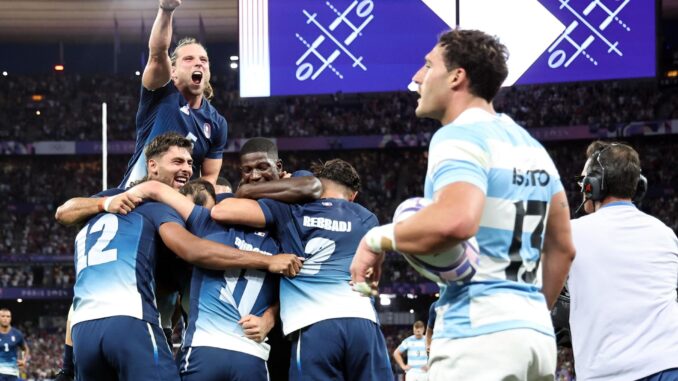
[
  {"x": 158, "y": 69},
  {"x": 212, "y": 255},
  {"x": 210, "y": 169},
  {"x": 79, "y": 209},
  {"x": 558, "y": 251},
  {"x": 290, "y": 190},
  {"x": 239, "y": 211}
]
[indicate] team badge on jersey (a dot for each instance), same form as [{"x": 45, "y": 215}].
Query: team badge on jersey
[
  {"x": 327, "y": 204},
  {"x": 207, "y": 129}
]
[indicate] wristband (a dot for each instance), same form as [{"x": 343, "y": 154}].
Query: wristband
[
  {"x": 107, "y": 203},
  {"x": 381, "y": 238},
  {"x": 100, "y": 204},
  {"x": 167, "y": 9}
]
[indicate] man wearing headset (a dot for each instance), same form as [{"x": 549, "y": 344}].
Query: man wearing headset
[{"x": 623, "y": 312}]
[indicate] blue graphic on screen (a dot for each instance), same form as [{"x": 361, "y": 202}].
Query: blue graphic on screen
[
  {"x": 348, "y": 45},
  {"x": 377, "y": 45},
  {"x": 603, "y": 39}
]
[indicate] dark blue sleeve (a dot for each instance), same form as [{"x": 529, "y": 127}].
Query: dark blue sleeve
[
  {"x": 219, "y": 143},
  {"x": 150, "y": 97},
  {"x": 222, "y": 196},
  {"x": 160, "y": 213},
  {"x": 199, "y": 221},
  {"x": 432, "y": 315},
  {"x": 372, "y": 221},
  {"x": 302, "y": 173},
  {"x": 277, "y": 213},
  {"x": 109, "y": 192}
]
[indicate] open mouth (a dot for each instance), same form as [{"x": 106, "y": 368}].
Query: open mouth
[
  {"x": 196, "y": 77},
  {"x": 180, "y": 181}
]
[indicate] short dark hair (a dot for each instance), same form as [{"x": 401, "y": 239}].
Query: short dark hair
[
  {"x": 339, "y": 171},
  {"x": 481, "y": 55},
  {"x": 621, "y": 166},
  {"x": 197, "y": 189},
  {"x": 162, "y": 143},
  {"x": 260, "y": 145},
  {"x": 224, "y": 182},
  {"x": 419, "y": 324}
]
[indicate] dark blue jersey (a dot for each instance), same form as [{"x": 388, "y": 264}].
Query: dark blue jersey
[
  {"x": 115, "y": 259},
  {"x": 10, "y": 342},
  {"x": 326, "y": 233},
  {"x": 219, "y": 299},
  {"x": 166, "y": 110}
]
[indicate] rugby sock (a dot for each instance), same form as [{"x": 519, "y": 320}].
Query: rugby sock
[{"x": 67, "y": 365}]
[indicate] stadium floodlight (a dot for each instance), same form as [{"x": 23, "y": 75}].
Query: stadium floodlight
[
  {"x": 137, "y": 73},
  {"x": 234, "y": 58},
  {"x": 4, "y": 73},
  {"x": 234, "y": 65},
  {"x": 384, "y": 300}
]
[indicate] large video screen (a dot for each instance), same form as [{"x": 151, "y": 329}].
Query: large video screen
[{"x": 292, "y": 47}]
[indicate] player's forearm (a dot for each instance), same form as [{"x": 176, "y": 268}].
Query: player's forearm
[
  {"x": 399, "y": 359},
  {"x": 77, "y": 210},
  {"x": 555, "y": 267},
  {"x": 292, "y": 190},
  {"x": 431, "y": 231},
  {"x": 169, "y": 196},
  {"x": 239, "y": 212},
  {"x": 161, "y": 33},
  {"x": 216, "y": 256},
  {"x": 209, "y": 254}
]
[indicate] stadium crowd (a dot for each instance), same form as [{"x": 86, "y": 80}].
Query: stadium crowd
[
  {"x": 40, "y": 103},
  {"x": 34, "y": 186}
]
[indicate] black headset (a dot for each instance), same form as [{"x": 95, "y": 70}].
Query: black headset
[{"x": 593, "y": 184}]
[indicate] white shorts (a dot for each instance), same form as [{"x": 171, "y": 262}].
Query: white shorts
[
  {"x": 416, "y": 376},
  {"x": 511, "y": 355}
]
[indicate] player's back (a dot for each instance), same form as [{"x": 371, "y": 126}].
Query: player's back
[
  {"x": 8, "y": 351},
  {"x": 326, "y": 233},
  {"x": 619, "y": 248},
  {"x": 519, "y": 179},
  {"x": 115, "y": 259},
  {"x": 166, "y": 110},
  {"x": 219, "y": 299}
]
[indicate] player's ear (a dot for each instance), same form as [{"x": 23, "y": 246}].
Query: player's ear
[
  {"x": 352, "y": 196},
  {"x": 279, "y": 165},
  {"x": 152, "y": 166},
  {"x": 455, "y": 77}
]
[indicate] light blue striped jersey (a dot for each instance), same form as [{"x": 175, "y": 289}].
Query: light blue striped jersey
[
  {"x": 9, "y": 344},
  {"x": 518, "y": 179},
  {"x": 115, "y": 258},
  {"x": 326, "y": 233},
  {"x": 416, "y": 352},
  {"x": 219, "y": 299}
]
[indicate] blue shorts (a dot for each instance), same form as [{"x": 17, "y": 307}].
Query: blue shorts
[
  {"x": 121, "y": 348},
  {"x": 340, "y": 349},
  {"x": 7, "y": 377},
  {"x": 216, "y": 364},
  {"x": 665, "y": 375}
]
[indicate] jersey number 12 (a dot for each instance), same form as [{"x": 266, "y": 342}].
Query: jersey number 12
[{"x": 97, "y": 254}]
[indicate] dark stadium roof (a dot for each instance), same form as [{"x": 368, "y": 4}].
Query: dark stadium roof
[{"x": 93, "y": 20}]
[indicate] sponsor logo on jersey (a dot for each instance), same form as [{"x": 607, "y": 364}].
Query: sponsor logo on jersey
[{"x": 207, "y": 129}]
